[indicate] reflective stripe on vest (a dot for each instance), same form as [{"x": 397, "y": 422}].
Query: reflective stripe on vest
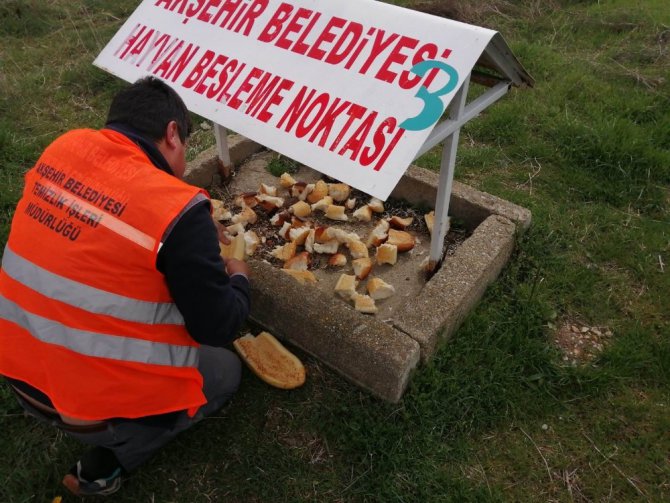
[
  {"x": 87, "y": 297},
  {"x": 198, "y": 198},
  {"x": 99, "y": 345}
]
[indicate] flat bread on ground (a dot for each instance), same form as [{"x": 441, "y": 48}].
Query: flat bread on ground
[{"x": 271, "y": 361}]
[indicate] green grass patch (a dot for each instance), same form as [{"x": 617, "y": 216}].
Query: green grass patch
[{"x": 281, "y": 164}]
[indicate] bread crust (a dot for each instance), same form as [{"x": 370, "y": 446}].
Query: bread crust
[{"x": 270, "y": 361}]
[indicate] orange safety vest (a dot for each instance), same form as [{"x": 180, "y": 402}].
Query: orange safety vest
[{"x": 85, "y": 316}]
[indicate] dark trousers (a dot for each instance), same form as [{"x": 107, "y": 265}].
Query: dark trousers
[{"x": 135, "y": 441}]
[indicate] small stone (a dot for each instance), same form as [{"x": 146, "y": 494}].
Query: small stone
[
  {"x": 574, "y": 329},
  {"x": 585, "y": 329},
  {"x": 545, "y": 427},
  {"x": 596, "y": 331}
]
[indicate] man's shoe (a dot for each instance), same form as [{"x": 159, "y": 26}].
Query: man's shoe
[{"x": 100, "y": 487}]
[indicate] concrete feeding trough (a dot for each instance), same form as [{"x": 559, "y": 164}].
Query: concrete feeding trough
[{"x": 380, "y": 352}]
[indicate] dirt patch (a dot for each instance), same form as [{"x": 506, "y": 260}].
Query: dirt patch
[{"x": 580, "y": 344}]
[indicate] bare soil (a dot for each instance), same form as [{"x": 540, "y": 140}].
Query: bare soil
[{"x": 580, "y": 344}]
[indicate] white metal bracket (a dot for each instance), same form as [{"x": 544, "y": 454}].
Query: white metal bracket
[{"x": 221, "y": 136}]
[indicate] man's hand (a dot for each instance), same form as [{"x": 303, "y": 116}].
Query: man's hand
[
  {"x": 221, "y": 232},
  {"x": 234, "y": 266}
]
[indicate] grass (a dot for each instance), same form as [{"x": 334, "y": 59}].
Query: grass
[{"x": 497, "y": 415}]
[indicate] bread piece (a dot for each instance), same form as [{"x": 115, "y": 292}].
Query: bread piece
[
  {"x": 270, "y": 190},
  {"x": 286, "y": 180},
  {"x": 246, "y": 216},
  {"x": 335, "y": 212},
  {"x": 430, "y": 222},
  {"x": 350, "y": 204},
  {"x": 278, "y": 219},
  {"x": 378, "y": 234},
  {"x": 358, "y": 249},
  {"x": 299, "y": 222},
  {"x": 362, "y": 267},
  {"x": 251, "y": 242},
  {"x": 271, "y": 361},
  {"x": 337, "y": 260},
  {"x": 269, "y": 203},
  {"x": 284, "y": 252},
  {"x": 321, "y": 234},
  {"x": 327, "y": 247},
  {"x": 387, "y": 254},
  {"x": 379, "y": 289},
  {"x": 363, "y": 214},
  {"x": 322, "y": 204},
  {"x": 309, "y": 241},
  {"x": 301, "y": 277},
  {"x": 403, "y": 240},
  {"x": 400, "y": 223},
  {"x": 298, "y": 234},
  {"x": 339, "y": 191},
  {"x": 430, "y": 219},
  {"x": 300, "y": 188},
  {"x": 364, "y": 304},
  {"x": 320, "y": 191},
  {"x": 346, "y": 286},
  {"x": 300, "y": 209},
  {"x": 284, "y": 231},
  {"x": 299, "y": 262},
  {"x": 235, "y": 229},
  {"x": 376, "y": 205},
  {"x": 236, "y": 249},
  {"x": 342, "y": 236},
  {"x": 219, "y": 211},
  {"x": 248, "y": 199}
]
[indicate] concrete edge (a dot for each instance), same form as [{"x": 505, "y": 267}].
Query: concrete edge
[
  {"x": 204, "y": 170},
  {"x": 458, "y": 286},
  {"x": 418, "y": 186},
  {"x": 368, "y": 352}
]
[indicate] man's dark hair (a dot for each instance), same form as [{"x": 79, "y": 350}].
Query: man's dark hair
[{"x": 147, "y": 106}]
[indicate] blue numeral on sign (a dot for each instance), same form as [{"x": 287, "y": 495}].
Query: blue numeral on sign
[{"x": 432, "y": 104}]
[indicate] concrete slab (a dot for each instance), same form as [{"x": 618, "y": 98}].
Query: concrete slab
[
  {"x": 378, "y": 353},
  {"x": 369, "y": 352},
  {"x": 458, "y": 285},
  {"x": 205, "y": 170}
]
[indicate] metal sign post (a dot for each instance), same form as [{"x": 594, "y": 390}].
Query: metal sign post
[
  {"x": 449, "y": 132},
  {"x": 449, "y": 148},
  {"x": 221, "y": 136}
]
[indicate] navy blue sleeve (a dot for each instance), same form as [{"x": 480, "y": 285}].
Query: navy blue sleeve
[{"x": 214, "y": 306}]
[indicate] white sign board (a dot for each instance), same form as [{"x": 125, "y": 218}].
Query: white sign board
[{"x": 351, "y": 88}]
